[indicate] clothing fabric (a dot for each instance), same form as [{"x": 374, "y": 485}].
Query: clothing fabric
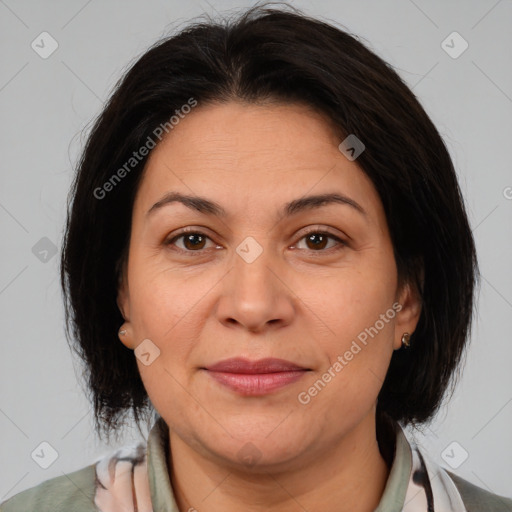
[{"x": 135, "y": 478}]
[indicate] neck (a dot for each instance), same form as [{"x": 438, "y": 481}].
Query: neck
[{"x": 349, "y": 476}]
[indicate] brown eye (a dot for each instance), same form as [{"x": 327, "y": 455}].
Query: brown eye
[
  {"x": 193, "y": 241},
  {"x": 317, "y": 241}
]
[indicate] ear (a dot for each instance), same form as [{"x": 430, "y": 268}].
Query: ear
[
  {"x": 408, "y": 316},
  {"x": 123, "y": 296},
  {"x": 123, "y": 303}
]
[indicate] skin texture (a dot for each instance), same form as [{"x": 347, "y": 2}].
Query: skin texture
[{"x": 300, "y": 300}]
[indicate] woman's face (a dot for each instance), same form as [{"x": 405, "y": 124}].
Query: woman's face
[{"x": 261, "y": 281}]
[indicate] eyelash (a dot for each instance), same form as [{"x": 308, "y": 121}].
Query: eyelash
[{"x": 189, "y": 231}]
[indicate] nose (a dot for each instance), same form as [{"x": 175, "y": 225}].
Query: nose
[{"x": 255, "y": 295}]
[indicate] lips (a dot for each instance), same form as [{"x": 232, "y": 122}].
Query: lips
[
  {"x": 245, "y": 366},
  {"x": 255, "y": 378}
]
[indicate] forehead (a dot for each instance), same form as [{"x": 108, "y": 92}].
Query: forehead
[{"x": 252, "y": 155}]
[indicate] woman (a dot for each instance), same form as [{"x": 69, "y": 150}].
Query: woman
[{"x": 267, "y": 247}]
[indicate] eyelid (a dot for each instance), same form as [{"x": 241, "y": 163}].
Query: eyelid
[{"x": 322, "y": 230}]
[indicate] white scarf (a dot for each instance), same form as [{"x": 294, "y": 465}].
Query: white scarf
[
  {"x": 122, "y": 484},
  {"x": 430, "y": 487}
]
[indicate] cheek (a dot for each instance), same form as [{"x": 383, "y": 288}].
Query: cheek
[
  {"x": 354, "y": 301},
  {"x": 170, "y": 310},
  {"x": 357, "y": 308},
  {"x": 164, "y": 302},
  {"x": 346, "y": 387}
]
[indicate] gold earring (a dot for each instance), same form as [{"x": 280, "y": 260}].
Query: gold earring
[{"x": 406, "y": 340}]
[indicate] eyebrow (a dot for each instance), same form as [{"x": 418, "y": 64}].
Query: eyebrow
[{"x": 208, "y": 207}]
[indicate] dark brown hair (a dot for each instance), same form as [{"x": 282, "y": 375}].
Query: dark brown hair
[{"x": 268, "y": 54}]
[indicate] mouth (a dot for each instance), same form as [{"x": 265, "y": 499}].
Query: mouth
[{"x": 258, "y": 377}]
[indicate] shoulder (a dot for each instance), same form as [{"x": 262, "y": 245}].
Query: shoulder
[
  {"x": 477, "y": 499},
  {"x": 71, "y": 492},
  {"x": 108, "y": 483}
]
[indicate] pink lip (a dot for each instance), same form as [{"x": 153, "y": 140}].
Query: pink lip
[
  {"x": 255, "y": 377},
  {"x": 241, "y": 365}
]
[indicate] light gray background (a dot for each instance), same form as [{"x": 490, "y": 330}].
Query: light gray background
[{"x": 46, "y": 103}]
